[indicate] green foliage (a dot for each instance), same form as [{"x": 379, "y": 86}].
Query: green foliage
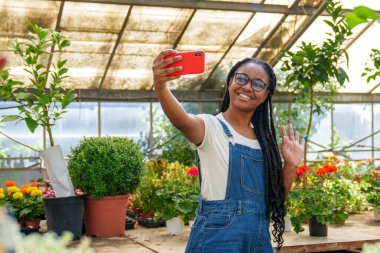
[
  {"x": 106, "y": 166},
  {"x": 372, "y": 188},
  {"x": 172, "y": 192},
  {"x": 360, "y": 15},
  {"x": 42, "y": 100},
  {"x": 316, "y": 68},
  {"x": 170, "y": 141},
  {"x": 372, "y": 69}
]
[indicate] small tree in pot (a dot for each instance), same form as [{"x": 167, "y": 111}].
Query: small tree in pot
[
  {"x": 106, "y": 169},
  {"x": 44, "y": 98}
]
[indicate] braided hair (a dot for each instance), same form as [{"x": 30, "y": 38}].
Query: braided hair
[{"x": 262, "y": 120}]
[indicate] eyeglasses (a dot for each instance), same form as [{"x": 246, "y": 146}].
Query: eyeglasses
[{"x": 256, "y": 84}]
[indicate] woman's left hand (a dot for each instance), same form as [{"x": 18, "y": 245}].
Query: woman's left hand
[{"x": 291, "y": 148}]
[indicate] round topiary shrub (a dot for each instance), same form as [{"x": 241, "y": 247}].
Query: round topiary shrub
[{"x": 106, "y": 166}]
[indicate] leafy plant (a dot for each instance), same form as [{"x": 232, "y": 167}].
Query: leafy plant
[
  {"x": 42, "y": 100},
  {"x": 372, "y": 72},
  {"x": 177, "y": 192},
  {"x": 324, "y": 197},
  {"x": 316, "y": 68},
  {"x": 106, "y": 166},
  {"x": 372, "y": 188},
  {"x": 26, "y": 202}
]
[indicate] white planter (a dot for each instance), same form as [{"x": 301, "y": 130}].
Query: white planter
[
  {"x": 376, "y": 213},
  {"x": 288, "y": 223},
  {"x": 175, "y": 226},
  {"x": 57, "y": 171},
  {"x": 191, "y": 222}
]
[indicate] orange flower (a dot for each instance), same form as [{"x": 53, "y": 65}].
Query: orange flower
[
  {"x": 10, "y": 183},
  {"x": 24, "y": 188},
  {"x": 34, "y": 184},
  {"x": 321, "y": 171},
  {"x": 301, "y": 170}
]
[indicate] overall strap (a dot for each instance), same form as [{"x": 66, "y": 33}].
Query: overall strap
[{"x": 227, "y": 132}]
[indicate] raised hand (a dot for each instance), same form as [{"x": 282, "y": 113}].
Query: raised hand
[
  {"x": 160, "y": 72},
  {"x": 291, "y": 148}
]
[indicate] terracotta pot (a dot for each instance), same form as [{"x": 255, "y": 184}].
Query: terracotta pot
[
  {"x": 105, "y": 217},
  {"x": 33, "y": 224}
]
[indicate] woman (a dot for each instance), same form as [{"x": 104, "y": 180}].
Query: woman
[{"x": 243, "y": 183}]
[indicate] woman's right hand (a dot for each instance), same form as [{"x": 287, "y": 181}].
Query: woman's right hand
[{"x": 160, "y": 72}]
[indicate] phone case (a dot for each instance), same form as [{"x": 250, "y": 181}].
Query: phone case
[{"x": 192, "y": 62}]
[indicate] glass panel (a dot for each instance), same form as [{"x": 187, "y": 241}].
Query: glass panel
[
  {"x": 91, "y": 17},
  {"x": 352, "y": 122},
  {"x": 16, "y": 14},
  {"x": 132, "y": 120},
  {"x": 214, "y": 28},
  {"x": 350, "y": 4},
  {"x": 359, "y": 55},
  {"x": 18, "y": 131},
  {"x": 210, "y": 107},
  {"x": 281, "y": 37},
  {"x": 80, "y": 120},
  {"x": 376, "y": 110},
  {"x": 85, "y": 70},
  {"x": 377, "y": 90}
]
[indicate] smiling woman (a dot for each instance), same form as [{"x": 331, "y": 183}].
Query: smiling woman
[{"x": 243, "y": 184}]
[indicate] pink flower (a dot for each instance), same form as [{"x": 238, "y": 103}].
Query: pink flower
[{"x": 193, "y": 171}]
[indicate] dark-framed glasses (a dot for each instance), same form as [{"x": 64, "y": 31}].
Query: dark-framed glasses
[{"x": 256, "y": 84}]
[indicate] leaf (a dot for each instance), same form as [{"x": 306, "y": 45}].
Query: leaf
[
  {"x": 365, "y": 12},
  {"x": 353, "y": 20},
  {"x": 62, "y": 71},
  {"x": 4, "y": 74},
  {"x": 22, "y": 96},
  {"x": 8, "y": 118},
  {"x": 61, "y": 63},
  {"x": 341, "y": 76},
  {"x": 43, "y": 98},
  {"x": 68, "y": 98},
  {"x": 31, "y": 123}
]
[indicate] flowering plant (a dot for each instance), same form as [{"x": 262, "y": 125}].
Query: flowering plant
[
  {"x": 26, "y": 202},
  {"x": 170, "y": 190},
  {"x": 47, "y": 188},
  {"x": 372, "y": 188},
  {"x": 178, "y": 192},
  {"x": 317, "y": 193}
]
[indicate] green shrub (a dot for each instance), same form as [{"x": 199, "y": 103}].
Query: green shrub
[{"x": 106, "y": 166}]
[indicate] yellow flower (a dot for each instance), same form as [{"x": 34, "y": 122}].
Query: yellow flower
[
  {"x": 13, "y": 189},
  {"x": 17, "y": 195},
  {"x": 1, "y": 189},
  {"x": 35, "y": 193},
  {"x": 2, "y": 195}
]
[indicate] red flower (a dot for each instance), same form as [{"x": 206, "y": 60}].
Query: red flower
[
  {"x": 321, "y": 171},
  {"x": 34, "y": 184},
  {"x": 301, "y": 170},
  {"x": 193, "y": 171}
]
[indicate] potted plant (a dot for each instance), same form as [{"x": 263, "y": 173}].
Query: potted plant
[
  {"x": 372, "y": 191},
  {"x": 63, "y": 213},
  {"x": 26, "y": 203},
  {"x": 106, "y": 169},
  {"x": 321, "y": 201},
  {"x": 42, "y": 99},
  {"x": 177, "y": 193}
]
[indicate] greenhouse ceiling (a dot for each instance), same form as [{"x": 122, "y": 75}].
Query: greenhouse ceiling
[{"x": 115, "y": 41}]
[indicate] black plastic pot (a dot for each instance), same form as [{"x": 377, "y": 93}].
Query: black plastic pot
[
  {"x": 316, "y": 228},
  {"x": 65, "y": 214}
]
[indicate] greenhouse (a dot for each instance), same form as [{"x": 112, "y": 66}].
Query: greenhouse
[{"x": 90, "y": 114}]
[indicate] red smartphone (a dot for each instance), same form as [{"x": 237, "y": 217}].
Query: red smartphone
[{"x": 193, "y": 62}]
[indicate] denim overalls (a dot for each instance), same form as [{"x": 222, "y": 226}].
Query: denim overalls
[{"x": 239, "y": 222}]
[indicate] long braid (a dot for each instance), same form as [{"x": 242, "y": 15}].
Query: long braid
[{"x": 263, "y": 123}]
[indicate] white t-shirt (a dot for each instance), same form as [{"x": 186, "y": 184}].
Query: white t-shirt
[{"x": 213, "y": 153}]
